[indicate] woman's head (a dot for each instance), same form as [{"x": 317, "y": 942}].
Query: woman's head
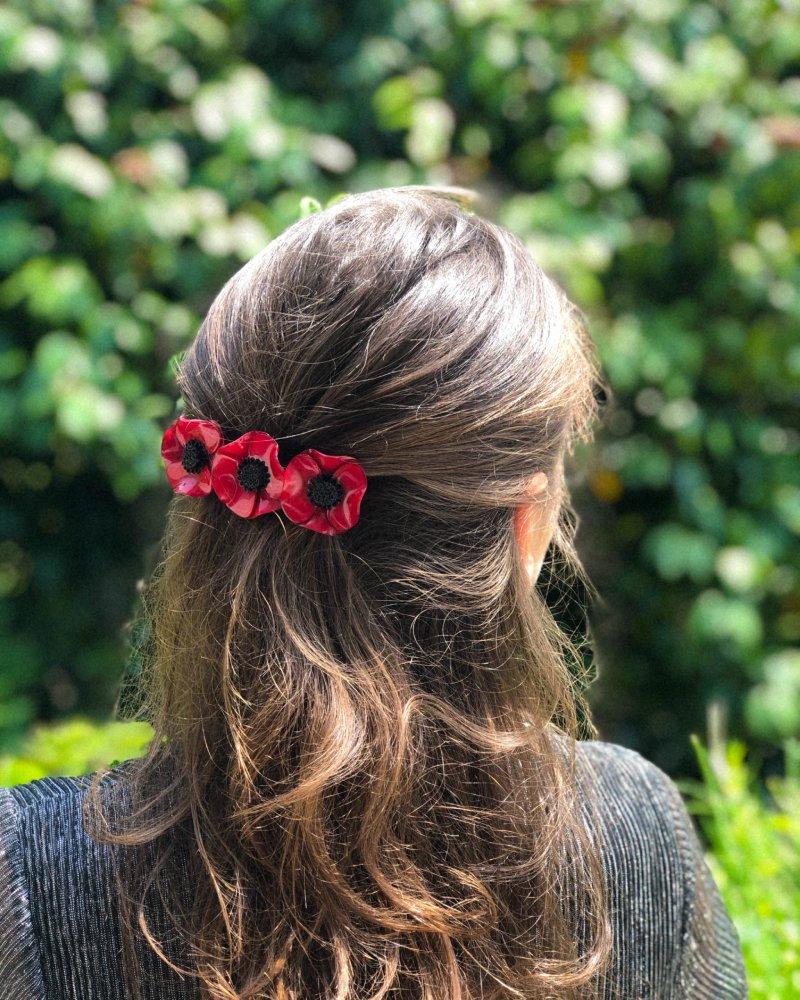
[
  {"x": 422, "y": 339},
  {"x": 359, "y": 726}
]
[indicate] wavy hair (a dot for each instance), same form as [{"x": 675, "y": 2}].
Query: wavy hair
[{"x": 364, "y": 741}]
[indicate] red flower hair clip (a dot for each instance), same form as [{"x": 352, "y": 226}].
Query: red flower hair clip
[
  {"x": 247, "y": 476},
  {"x": 320, "y": 492},
  {"x": 188, "y": 447},
  {"x": 323, "y": 492}
]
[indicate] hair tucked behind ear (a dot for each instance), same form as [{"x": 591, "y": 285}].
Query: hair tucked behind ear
[{"x": 360, "y": 738}]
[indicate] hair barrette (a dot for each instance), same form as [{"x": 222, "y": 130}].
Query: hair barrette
[{"x": 317, "y": 491}]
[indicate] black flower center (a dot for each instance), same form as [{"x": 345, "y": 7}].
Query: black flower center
[
  {"x": 325, "y": 491},
  {"x": 195, "y": 456},
  {"x": 253, "y": 474}
]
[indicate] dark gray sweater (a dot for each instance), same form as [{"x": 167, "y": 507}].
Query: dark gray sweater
[{"x": 60, "y": 937}]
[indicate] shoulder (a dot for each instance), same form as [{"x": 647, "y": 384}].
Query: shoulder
[
  {"x": 37, "y": 816},
  {"x": 42, "y": 797},
  {"x": 23, "y": 812},
  {"x": 626, "y": 784},
  {"x": 31, "y": 813},
  {"x": 643, "y": 830},
  {"x": 643, "y": 822},
  {"x": 46, "y": 817},
  {"x": 60, "y": 908},
  {"x": 638, "y": 805},
  {"x": 642, "y": 825},
  {"x": 673, "y": 935},
  {"x": 54, "y": 883},
  {"x": 47, "y": 821},
  {"x": 612, "y": 761},
  {"x": 19, "y": 953}
]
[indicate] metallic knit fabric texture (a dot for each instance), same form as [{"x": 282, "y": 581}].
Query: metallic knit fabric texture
[{"x": 60, "y": 931}]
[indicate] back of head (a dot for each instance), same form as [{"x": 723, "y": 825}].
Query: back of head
[{"x": 361, "y": 727}]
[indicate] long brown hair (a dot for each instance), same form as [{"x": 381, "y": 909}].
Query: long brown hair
[{"x": 364, "y": 739}]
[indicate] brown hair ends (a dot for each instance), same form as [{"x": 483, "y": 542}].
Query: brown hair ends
[{"x": 364, "y": 735}]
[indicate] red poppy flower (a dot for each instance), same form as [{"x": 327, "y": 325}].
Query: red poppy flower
[
  {"x": 247, "y": 475},
  {"x": 323, "y": 492},
  {"x": 187, "y": 448}
]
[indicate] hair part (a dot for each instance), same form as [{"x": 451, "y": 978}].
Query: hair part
[{"x": 364, "y": 741}]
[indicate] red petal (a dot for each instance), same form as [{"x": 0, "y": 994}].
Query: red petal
[
  {"x": 266, "y": 504},
  {"x": 344, "y": 515},
  {"x": 175, "y": 473},
  {"x": 193, "y": 486},
  {"x": 228, "y": 488},
  {"x": 188, "y": 483},
  {"x": 236, "y": 450},
  {"x": 354, "y": 481},
  {"x": 338, "y": 520},
  {"x": 328, "y": 463},
  {"x": 209, "y": 433},
  {"x": 275, "y": 485},
  {"x": 306, "y": 464},
  {"x": 245, "y": 503},
  {"x": 297, "y": 508},
  {"x": 223, "y": 476},
  {"x": 320, "y": 523},
  {"x": 259, "y": 445},
  {"x": 171, "y": 448},
  {"x": 294, "y": 500},
  {"x": 204, "y": 481},
  {"x": 352, "y": 476}
]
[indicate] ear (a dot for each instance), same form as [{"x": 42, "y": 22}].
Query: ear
[{"x": 533, "y": 527}]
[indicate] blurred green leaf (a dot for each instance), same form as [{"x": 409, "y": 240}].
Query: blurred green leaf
[{"x": 72, "y": 748}]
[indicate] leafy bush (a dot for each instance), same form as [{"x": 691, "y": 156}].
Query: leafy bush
[
  {"x": 754, "y": 837},
  {"x": 646, "y": 152},
  {"x": 74, "y": 747}
]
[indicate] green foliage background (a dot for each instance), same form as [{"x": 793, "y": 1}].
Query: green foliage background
[
  {"x": 646, "y": 150},
  {"x": 754, "y": 839}
]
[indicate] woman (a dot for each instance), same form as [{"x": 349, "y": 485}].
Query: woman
[{"x": 364, "y": 780}]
